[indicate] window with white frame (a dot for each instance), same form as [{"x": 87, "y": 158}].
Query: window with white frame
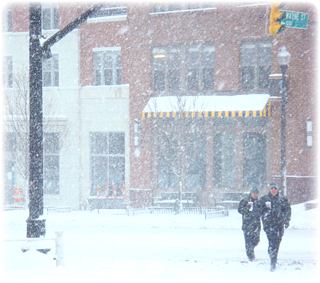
[
  {"x": 183, "y": 67},
  {"x": 50, "y": 16},
  {"x": 107, "y": 67},
  {"x": 256, "y": 60},
  {"x": 107, "y": 162},
  {"x": 7, "y": 19},
  {"x": 51, "y": 183},
  {"x": 8, "y": 72},
  {"x": 50, "y": 71}
]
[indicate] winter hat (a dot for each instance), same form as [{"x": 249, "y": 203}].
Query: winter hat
[
  {"x": 254, "y": 190},
  {"x": 274, "y": 185}
]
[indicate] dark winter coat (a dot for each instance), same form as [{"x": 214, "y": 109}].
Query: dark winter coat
[
  {"x": 250, "y": 219},
  {"x": 278, "y": 215}
]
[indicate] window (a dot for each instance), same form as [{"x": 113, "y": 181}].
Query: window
[
  {"x": 169, "y": 7},
  {"x": 50, "y": 17},
  {"x": 111, "y": 9},
  {"x": 8, "y": 72},
  {"x": 168, "y": 162},
  {"x": 107, "y": 67},
  {"x": 195, "y": 161},
  {"x": 172, "y": 73},
  {"x": 10, "y": 154},
  {"x": 7, "y": 19},
  {"x": 51, "y": 164},
  {"x": 173, "y": 65},
  {"x": 50, "y": 71},
  {"x": 200, "y": 68},
  {"x": 107, "y": 162},
  {"x": 224, "y": 164},
  {"x": 256, "y": 60},
  {"x": 254, "y": 160}
]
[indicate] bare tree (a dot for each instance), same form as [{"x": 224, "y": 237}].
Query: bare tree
[
  {"x": 173, "y": 138},
  {"x": 17, "y": 121}
]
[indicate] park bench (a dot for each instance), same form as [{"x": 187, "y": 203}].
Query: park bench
[
  {"x": 106, "y": 203},
  {"x": 169, "y": 198}
]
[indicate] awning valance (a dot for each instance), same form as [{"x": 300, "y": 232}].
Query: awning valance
[{"x": 244, "y": 105}]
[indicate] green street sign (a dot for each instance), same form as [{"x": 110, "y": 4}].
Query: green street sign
[{"x": 295, "y": 20}]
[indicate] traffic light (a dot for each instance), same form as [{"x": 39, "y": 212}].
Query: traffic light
[{"x": 275, "y": 17}]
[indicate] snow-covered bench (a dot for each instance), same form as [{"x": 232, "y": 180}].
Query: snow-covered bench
[
  {"x": 169, "y": 198},
  {"x": 106, "y": 203}
]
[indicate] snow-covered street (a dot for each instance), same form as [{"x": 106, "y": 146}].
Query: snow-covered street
[{"x": 161, "y": 248}]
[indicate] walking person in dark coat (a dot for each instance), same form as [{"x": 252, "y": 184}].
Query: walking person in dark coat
[
  {"x": 249, "y": 207},
  {"x": 275, "y": 215}
]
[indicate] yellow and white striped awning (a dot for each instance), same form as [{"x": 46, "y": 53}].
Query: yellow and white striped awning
[{"x": 246, "y": 105}]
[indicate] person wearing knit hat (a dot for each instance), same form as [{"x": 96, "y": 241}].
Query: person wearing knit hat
[
  {"x": 254, "y": 190},
  {"x": 275, "y": 215},
  {"x": 274, "y": 185},
  {"x": 249, "y": 207}
]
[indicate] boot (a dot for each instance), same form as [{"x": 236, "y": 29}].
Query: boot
[
  {"x": 251, "y": 257},
  {"x": 273, "y": 265},
  {"x": 250, "y": 254}
]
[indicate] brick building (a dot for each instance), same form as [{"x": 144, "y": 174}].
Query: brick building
[{"x": 157, "y": 95}]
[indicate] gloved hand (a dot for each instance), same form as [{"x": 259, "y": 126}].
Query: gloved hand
[{"x": 286, "y": 225}]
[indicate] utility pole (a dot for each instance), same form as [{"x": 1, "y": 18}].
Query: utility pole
[{"x": 36, "y": 226}]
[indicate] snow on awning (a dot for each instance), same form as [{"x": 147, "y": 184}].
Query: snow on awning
[{"x": 245, "y": 105}]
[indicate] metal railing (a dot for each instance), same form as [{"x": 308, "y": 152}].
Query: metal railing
[
  {"x": 219, "y": 212},
  {"x": 58, "y": 209},
  {"x": 207, "y": 212}
]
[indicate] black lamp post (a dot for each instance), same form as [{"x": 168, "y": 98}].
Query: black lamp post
[
  {"x": 36, "y": 225},
  {"x": 284, "y": 60}
]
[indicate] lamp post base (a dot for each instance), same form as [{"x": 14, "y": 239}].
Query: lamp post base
[{"x": 36, "y": 228}]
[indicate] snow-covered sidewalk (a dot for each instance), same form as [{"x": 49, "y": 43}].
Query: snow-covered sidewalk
[{"x": 111, "y": 246}]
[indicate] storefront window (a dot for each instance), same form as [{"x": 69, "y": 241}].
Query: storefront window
[
  {"x": 224, "y": 164},
  {"x": 107, "y": 161},
  {"x": 254, "y": 160},
  {"x": 170, "y": 156}
]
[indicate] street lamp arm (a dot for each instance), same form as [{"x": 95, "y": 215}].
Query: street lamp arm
[{"x": 69, "y": 27}]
